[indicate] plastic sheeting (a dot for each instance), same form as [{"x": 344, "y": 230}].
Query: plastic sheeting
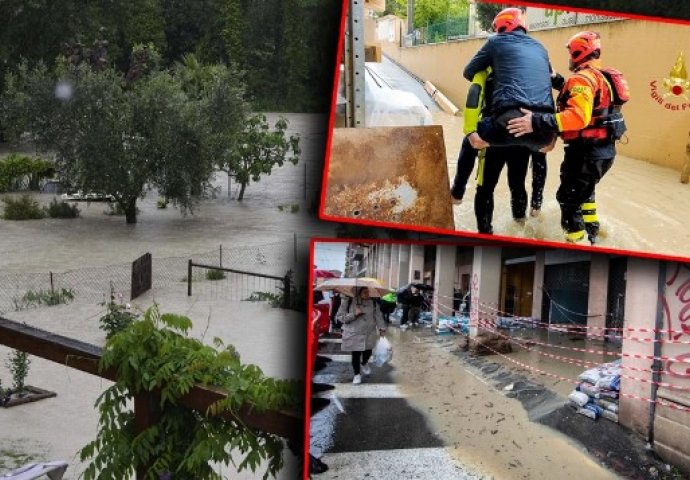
[{"x": 387, "y": 107}]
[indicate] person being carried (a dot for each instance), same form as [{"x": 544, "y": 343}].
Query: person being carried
[
  {"x": 488, "y": 173},
  {"x": 590, "y": 121},
  {"x": 521, "y": 79},
  {"x": 362, "y": 325}
]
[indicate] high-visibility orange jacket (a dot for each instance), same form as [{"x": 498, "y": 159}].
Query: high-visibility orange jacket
[{"x": 583, "y": 101}]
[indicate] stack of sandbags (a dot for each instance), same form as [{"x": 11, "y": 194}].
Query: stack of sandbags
[{"x": 597, "y": 394}]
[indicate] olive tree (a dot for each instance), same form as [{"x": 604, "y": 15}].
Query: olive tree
[
  {"x": 124, "y": 135},
  {"x": 258, "y": 149}
]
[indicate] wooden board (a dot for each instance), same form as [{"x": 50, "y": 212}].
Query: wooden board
[
  {"x": 390, "y": 174},
  {"x": 442, "y": 101}
]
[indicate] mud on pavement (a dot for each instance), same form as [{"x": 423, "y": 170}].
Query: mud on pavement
[{"x": 612, "y": 445}]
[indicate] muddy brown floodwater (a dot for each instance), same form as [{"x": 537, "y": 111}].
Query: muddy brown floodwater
[
  {"x": 483, "y": 428},
  {"x": 642, "y": 206}
]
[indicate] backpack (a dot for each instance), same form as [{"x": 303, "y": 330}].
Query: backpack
[{"x": 619, "y": 85}]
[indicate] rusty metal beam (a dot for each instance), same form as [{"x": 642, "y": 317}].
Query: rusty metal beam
[{"x": 85, "y": 356}]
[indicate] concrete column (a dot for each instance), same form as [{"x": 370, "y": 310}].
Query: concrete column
[
  {"x": 395, "y": 266},
  {"x": 404, "y": 266},
  {"x": 641, "y": 300},
  {"x": 386, "y": 270},
  {"x": 486, "y": 286},
  {"x": 416, "y": 263},
  {"x": 598, "y": 293},
  {"x": 538, "y": 288},
  {"x": 443, "y": 280}
]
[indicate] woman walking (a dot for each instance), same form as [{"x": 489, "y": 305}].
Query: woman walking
[{"x": 361, "y": 318}]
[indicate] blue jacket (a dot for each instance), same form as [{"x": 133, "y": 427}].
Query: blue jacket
[{"x": 522, "y": 72}]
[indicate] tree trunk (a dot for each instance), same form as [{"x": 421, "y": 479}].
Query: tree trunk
[
  {"x": 131, "y": 211},
  {"x": 243, "y": 187}
]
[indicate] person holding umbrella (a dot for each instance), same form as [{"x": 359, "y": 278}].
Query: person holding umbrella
[{"x": 362, "y": 325}]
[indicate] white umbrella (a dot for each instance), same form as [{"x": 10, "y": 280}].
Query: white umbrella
[{"x": 348, "y": 286}]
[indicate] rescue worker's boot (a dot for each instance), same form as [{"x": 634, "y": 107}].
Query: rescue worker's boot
[
  {"x": 591, "y": 219},
  {"x": 573, "y": 226}
]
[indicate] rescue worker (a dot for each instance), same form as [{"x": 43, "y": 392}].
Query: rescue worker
[
  {"x": 590, "y": 122},
  {"x": 521, "y": 79}
]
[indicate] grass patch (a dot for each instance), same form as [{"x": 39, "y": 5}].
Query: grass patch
[
  {"x": 215, "y": 275},
  {"x": 35, "y": 298}
]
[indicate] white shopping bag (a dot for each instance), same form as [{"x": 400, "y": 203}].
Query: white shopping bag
[{"x": 383, "y": 352}]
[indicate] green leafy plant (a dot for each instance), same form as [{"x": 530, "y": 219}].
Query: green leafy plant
[
  {"x": 155, "y": 356},
  {"x": 18, "y": 364},
  {"x": 34, "y": 298},
  {"x": 62, "y": 209},
  {"x": 215, "y": 275},
  {"x": 118, "y": 318},
  {"x": 274, "y": 299},
  {"x": 22, "y": 208}
]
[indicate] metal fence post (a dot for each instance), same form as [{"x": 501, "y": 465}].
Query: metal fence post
[
  {"x": 189, "y": 278},
  {"x": 52, "y": 286},
  {"x": 221, "y": 254},
  {"x": 287, "y": 290}
]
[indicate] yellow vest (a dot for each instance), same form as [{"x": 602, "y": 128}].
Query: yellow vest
[{"x": 475, "y": 102}]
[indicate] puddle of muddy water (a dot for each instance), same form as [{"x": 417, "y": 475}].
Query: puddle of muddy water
[{"x": 482, "y": 427}]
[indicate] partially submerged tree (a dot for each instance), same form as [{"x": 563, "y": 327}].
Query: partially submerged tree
[
  {"x": 123, "y": 135},
  {"x": 258, "y": 150}
]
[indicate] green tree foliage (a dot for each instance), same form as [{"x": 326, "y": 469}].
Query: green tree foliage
[
  {"x": 287, "y": 48},
  {"x": 427, "y": 12},
  {"x": 156, "y": 356},
  {"x": 396, "y": 7},
  {"x": 258, "y": 150},
  {"x": 486, "y": 12},
  {"x": 19, "y": 172},
  {"x": 124, "y": 135}
]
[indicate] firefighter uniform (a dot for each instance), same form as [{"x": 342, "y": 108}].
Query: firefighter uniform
[{"x": 584, "y": 105}]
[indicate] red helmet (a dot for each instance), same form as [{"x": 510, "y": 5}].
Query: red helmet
[
  {"x": 582, "y": 45},
  {"x": 508, "y": 20}
]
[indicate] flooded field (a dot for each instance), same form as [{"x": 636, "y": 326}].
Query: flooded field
[
  {"x": 254, "y": 232},
  {"x": 97, "y": 239}
]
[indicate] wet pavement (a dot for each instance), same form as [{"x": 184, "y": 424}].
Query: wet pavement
[{"x": 432, "y": 413}]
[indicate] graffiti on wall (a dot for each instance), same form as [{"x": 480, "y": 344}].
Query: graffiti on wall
[{"x": 676, "y": 303}]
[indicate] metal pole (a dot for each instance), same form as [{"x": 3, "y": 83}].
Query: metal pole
[
  {"x": 354, "y": 64},
  {"x": 189, "y": 278},
  {"x": 294, "y": 249},
  {"x": 221, "y": 255},
  {"x": 52, "y": 287},
  {"x": 305, "y": 182},
  {"x": 657, "y": 367}
]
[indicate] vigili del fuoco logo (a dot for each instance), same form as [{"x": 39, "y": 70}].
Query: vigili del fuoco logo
[{"x": 673, "y": 93}]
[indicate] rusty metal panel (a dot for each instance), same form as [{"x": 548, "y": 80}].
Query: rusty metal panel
[{"x": 390, "y": 174}]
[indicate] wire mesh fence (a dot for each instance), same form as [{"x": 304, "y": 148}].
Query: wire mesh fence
[
  {"x": 452, "y": 29},
  {"x": 21, "y": 291}
]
